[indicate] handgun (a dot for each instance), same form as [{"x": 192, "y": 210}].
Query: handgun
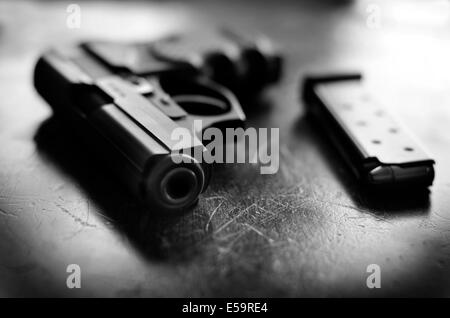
[{"x": 125, "y": 100}]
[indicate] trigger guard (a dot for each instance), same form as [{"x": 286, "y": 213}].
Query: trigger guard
[{"x": 201, "y": 90}]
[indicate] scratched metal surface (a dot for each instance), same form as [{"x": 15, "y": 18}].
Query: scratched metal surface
[{"x": 306, "y": 231}]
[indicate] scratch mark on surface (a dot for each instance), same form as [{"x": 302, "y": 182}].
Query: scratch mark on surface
[
  {"x": 238, "y": 235},
  {"x": 358, "y": 210},
  {"x": 212, "y": 215},
  {"x": 267, "y": 211},
  {"x": 74, "y": 217},
  {"x": 227, "y": 237},
  {"x": 279, "y": 203},
  {"x": 293, "y": 242},
  {"x": 225, "y": 225},
  {"x": 6, "y": 213},
  {"x": 346, "y": 206},
  {"x": 289, "y": 208},
  {"x": 258, "y": 232}
]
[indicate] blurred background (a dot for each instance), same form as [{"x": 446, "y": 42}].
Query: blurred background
[{"x": 307, "y": 231}]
